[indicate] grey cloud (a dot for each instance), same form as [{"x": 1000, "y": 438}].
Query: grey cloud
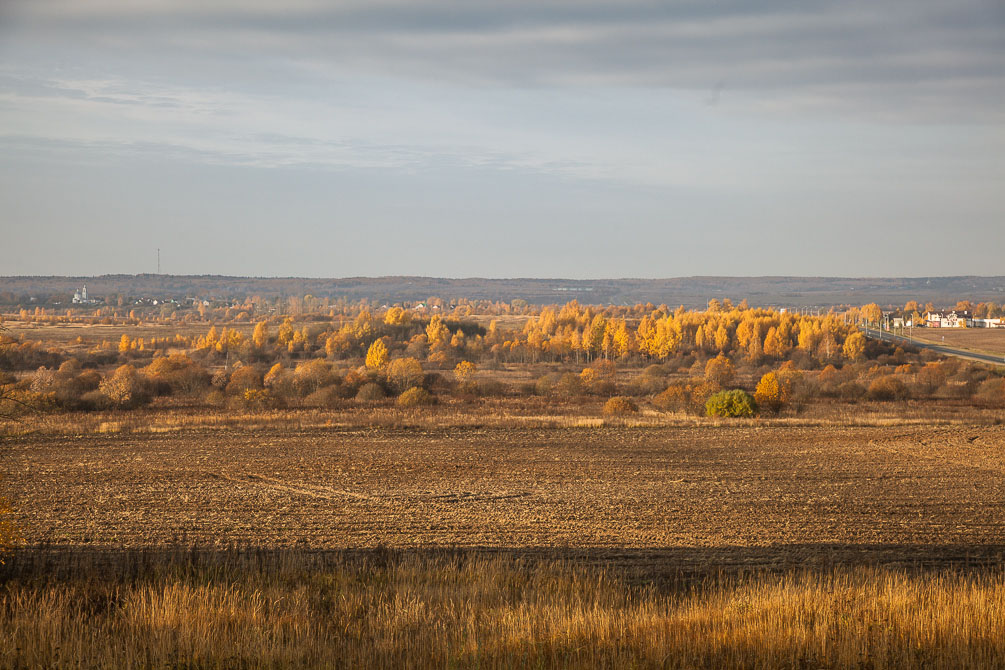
[{"x": 923, "y": 59}]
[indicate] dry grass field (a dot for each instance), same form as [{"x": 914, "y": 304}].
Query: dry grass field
[
  {"x": 66, "y": 334},
  {"x": 984, "y": 340},
  {"x": 387, "y": 609}
]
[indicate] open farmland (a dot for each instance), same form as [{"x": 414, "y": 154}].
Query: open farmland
[
  {"x": 983, "y": 340},
  {"x": 735, "y": 494}
]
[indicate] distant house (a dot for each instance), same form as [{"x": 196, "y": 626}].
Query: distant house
[
  {"x": 989, "y": 323},
  {"x": 950, "y": 319}
]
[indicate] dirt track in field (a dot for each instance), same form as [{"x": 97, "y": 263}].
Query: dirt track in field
[{"x": 587, "y": 488}]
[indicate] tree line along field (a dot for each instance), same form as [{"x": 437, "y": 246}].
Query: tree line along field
[
  {"x": 357, "y": 487},
  {"x": 755, "y": 361}
]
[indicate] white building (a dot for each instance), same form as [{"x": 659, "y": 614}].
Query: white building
[
  {"x": 950, "y": 319},
  {"x": 80, "y": 298}
]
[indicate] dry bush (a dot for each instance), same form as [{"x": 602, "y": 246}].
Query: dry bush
[
  {"x": 329, "y": 397},
  {"x": 851, "y": 391},
  {"x": 125, "y": 388},
  {"x": 310, "y": 376},
  {"x": 620, "y": 406},
  {"x": 687, "y": 397},
  {"x": 887, "y": 387},
  {"x": 656, "y": 371},
  {"x": 830, "y": 376},
  {"x": 492, "y": 388},
  {"x": 676, "y": 398},
  {"x": 404, "y": 373},
  {"x": 931, "y": 377},
  {"x": 220, "y": 379},
  {"x": 256, "y": 400},
  {"x": 991, "y": 392},
  {"x": 648, "y": 385},
  {"x": 568, "y": 385},
  {"x": 244, "y": 378},
  {"x": 415, "y": 397},
  {"x": 370, "y": 392},
  {"x": 216, "y": 398},
  {"x": 719, "y": 372}
]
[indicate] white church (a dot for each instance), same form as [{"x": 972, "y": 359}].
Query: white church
[{"x": 80, "y": 297}]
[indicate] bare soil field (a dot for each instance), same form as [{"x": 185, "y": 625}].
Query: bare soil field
[
  {"x": 732, "y": 495},
  {"x": 984, "y": 340}
]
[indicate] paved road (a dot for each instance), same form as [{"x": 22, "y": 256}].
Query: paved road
[{"x": 942, "y": 349}]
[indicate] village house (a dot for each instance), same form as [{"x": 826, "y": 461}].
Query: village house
[{"x": 950, "y": 319}]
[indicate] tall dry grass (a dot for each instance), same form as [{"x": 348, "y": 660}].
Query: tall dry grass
[{"x": 289, "y": 608}]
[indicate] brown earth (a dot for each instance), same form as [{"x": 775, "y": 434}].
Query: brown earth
[{"x": 707, "y": 492}]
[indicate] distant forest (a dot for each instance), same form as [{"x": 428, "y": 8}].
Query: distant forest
[{"x": 692, "y": 292}]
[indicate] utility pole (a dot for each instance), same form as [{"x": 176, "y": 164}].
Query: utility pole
[{"x": 158, "y": 260}]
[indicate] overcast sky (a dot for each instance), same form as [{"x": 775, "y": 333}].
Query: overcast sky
[{"x": 535, "y": 138}]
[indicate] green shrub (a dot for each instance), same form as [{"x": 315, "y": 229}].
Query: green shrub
[
  {"x": 619, "y": 406},
  {"x": 415, "y": 397},
  {"x": 731, "y": 404}
]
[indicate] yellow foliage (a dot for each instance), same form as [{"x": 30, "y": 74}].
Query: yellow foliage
[
  {"x": 854, "y": 346},
  {"x": 261, "y": 334},
  {"x": 770, "y": 393},
  {"x": 436, "y": 331},
  {"x": 404, "y": 373},
  {"x": 377, "y": 355},
  {"x": 465, "y": 371}
]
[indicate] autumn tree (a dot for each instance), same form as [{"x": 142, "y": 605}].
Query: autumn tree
[
  {"x": 404, "y": 373},
  {"x": 260, "y": 336},
  {"x": 377, "y": 355},
  {"x": 286, "y": 333},
  {"x": 396, "y": 316},
  {"x": 773, "y": 391},
  {"x": 622, "y": 339},
  {"x": 124, "y": 388},
  {"x": 465, "y": 371},
  {"x": 437, "y": 331},
  {"x": 854, "y": 346},
  {"x": 719, "y": 371},
  {"x": 872, "y": 313}
]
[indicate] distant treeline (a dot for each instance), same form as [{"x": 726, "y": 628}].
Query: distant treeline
[{"x": 692, "y": 292}]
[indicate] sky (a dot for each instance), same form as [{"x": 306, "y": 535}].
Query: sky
[{"x": 527, "y": 138}]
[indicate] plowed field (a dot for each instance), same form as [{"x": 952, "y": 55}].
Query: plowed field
[{"x": 603, "y": 489}]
